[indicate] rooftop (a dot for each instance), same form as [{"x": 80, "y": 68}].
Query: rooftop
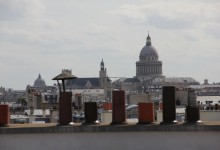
[{"x": 78, "y": 127}]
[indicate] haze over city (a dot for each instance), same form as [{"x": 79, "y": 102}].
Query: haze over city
[{"x": 46, "y": 36}]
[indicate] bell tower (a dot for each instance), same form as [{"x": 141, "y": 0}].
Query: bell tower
[{"x": 102, "y": 74}]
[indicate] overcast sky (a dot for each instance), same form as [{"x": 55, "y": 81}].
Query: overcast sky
[{"x": 46, "y": 36}]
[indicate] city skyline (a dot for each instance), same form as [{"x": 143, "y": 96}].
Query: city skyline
[{"x": 48, "y": 36}]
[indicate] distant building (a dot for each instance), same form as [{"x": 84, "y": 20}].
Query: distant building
[
  {"x": 207, "y": 94},
  {"x": 39, "y": 82},
  {"x": 149, "y": 77},
  {"x": 2, "y": 90},
  {"x": 10, "y": 96},
  {"x": 206, "y": 82},
  {"x": 148, "y": 66},
  {"x": 96, "y": 83},
  {"x": 41, "y": 96},
  {"x": 79, "y": 96}
]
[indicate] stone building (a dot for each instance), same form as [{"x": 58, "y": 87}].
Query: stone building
[
  {"x": 41, "y": 96},
  {"x": 148, "y": 66},
  {"x": 89, "y": 84}
]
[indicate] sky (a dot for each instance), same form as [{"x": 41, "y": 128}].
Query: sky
[{"x": 46, "y": 36}]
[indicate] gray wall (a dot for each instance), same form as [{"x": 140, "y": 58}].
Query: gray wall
[{"x": 112, "y": 141}]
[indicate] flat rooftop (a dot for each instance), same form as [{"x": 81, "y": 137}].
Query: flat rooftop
[{"x": 130, "y": 127}]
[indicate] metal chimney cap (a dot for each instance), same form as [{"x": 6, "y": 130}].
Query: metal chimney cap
[{"x": 65, "y": 75}]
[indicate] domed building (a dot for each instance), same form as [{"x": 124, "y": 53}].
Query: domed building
[
  {"x": 41, "y": 96},
  {"x": 39, "y": 82},
  {"x": 148, "y": 67},
  {"x": 149, "y": 78}
]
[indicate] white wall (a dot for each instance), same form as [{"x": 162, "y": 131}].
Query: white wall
[
  {"x": 210, "y": 115},
  {"x": 136, "y": 98},
  {"x": 204, "y": 116},
  {"x": 106, "y": 117}
]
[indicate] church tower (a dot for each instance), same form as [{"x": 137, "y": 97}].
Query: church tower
[
  {"x": 148, "y": 67},
  {"x": 102, "y": 74},
  {"x": 105, "y": 82}
]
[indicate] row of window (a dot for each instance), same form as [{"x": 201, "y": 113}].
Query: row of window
[
  {"x": 149, "y": 58},
  {"x": 149, "y": 70}
]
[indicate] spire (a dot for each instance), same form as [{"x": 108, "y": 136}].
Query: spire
[
  {"x": 102, "y": 65},
  {"x": 39, "y": 76},
  {"x": 148, "y": 40}
]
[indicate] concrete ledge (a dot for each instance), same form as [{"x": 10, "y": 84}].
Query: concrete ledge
[{"x": 54, "y": 128}]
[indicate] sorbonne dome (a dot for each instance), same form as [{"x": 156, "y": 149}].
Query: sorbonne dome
[
  {"x": 39, "y": 82},
  {"x": 148, "y": 66}
]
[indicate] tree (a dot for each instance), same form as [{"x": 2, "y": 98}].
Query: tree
[{"x": 22, "y": 101}]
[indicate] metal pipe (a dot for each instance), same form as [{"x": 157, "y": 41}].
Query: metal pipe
[{"x": 63, "y": 85}]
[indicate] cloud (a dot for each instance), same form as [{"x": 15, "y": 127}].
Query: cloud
[
  {"x": 190, "y": 37},
  {"x": 41, "y": 33},
  {"x": 152, "y": 16},
  {"x": 44, "y": 37},
  {"x": 12, "y": 10},
  {"x": 213, "y": 30},
  {"x": 167, "y": 23},
  {"x": 130, "y": 13},
  {"x": 22, "y": 21},
  {"x": 100, "y": 34},
  {"x": 169, "y": 14}
]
